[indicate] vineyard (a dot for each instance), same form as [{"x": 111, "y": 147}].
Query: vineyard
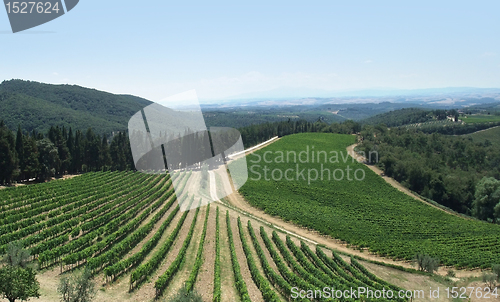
[
  {"x": 128, "y": 229},
  {"x": 368, "y": 213}
]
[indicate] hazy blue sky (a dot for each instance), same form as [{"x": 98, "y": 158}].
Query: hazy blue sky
[{"x": 158, "y": 48}]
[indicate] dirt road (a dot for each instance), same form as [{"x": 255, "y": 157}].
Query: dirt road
[
  {"x": 238, "y": 201},
  {"x": 393, "y": 182}
]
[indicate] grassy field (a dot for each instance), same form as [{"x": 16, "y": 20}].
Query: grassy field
[
  {"x": 472, "y": 119},
  {"x": 492, "y": 135},
  {"x": 367, "y": 213}
]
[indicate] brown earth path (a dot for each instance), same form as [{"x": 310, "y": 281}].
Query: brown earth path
[
  {"x": 313, "y": 237},
  {"x": 205, "y": 281},
  {"x": 392, "y": 181}
]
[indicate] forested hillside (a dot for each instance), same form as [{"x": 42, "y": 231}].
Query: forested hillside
[
  {"x": 400, "y": 117},
  {"x": 446, "y": 169},
  {"x": 38, "y": 106}
]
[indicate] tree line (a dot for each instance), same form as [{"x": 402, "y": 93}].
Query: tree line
[
  {"x": 33, "y": 155},
  {"x": 25, "y": 156},
  {"x": 454, "y": 171},
  {"x": 408, "y": 116},
  {"x": 255, "y": 134}
]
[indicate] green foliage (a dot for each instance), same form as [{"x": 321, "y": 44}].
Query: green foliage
[
  {"x": 199, "y": 256},
  {"x": 451, "y": 128},
  {"x": 108, "y": 213},
  {"x": 490, "y": 279},
  {"x": 275, "y": 278},
  {"x": 146, "y": 269},
  {"x": 125, "y": 264},
  {"x": 487, "y": 137},
  {"x": 400, "y": 117},
  {"x": 18, "y": 280},
  {"x": 163, "y": 281},
  {"x": 480, "y": 118},
  {"x": 288, "y": 275},
  {"x": 8, "y": 158},
  {"x": 16, "y": 255},
  {"x": 116, "y": 229},
  {"x": 78, "y": 287},
  {"x": 245, "y": 116},
  {"x": 295, "y": 266},
  {"x": 217, "y": 280},
  {"x": 426, "y": 263},
  {"x": 61, "y": 152},
  {"x": 265, "y": 288},
  {"x": 18, "y": 283},
  {"x": 185, "y": 295},
  {"x": 486, "y": 205},
  {"x": 495, "y": 268},
  {"x": 48, "y": 158},
  {"x": 240, "y": 283},
  {"x": 110, "y": 256},
  {"x": 371, "y": 276},
  {"x": 38, "y": 106},
  {"x": 442, "y": 168},
  {"x": 255, "y": 134},
  {"x": 368, "y": 213}
]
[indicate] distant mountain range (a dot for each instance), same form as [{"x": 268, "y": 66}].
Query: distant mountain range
[
  {"x": 38, "y": 106},
  {"x": 287, "y": 93},
  {"x": 459, "y": 96}
]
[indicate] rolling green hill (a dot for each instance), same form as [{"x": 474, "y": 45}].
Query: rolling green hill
[
  {"x": 492, "y": 135},
  {"x": 359, "y": 208},
  {"x": 400, "y": 117},
  {"x": 480, "y": 118},
  {"x": 39, "y": 106}
]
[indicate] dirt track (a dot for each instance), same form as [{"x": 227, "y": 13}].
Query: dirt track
[
  {"x": 314, "y": 237},
  {"x": 392, "y": 181}
]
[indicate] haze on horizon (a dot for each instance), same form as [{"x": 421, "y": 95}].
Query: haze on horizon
[{"x": 226, "y": 50}]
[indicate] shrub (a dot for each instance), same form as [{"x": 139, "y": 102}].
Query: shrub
[
  {"x": 490, "y": 280},
  {"x": 495, "y": 268},
  {"x": 77, "y": 288},
  {"x": 426, "y": 263},
  {"x": 183, "y": 295}
]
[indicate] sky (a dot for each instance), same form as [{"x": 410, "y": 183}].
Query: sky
[{"x": 155, "y": 49}]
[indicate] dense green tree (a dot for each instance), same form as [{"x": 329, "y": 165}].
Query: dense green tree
[
  {"x": 20, "y": 149},
  {"x": 18, "y": 280},
  {"x": 16, "y": 255},
  {"x": 121, "y": 155},
  {"x": 58, "y": 138},
  {"x": 426, "y": 263},
  {"x": 18, "y": 283},
  {"x": 487, "y": 198},
  {"x": 443, "y": 168},
  {"x": 104, "y": 154},
  {"x": 8, "y": 158},
  {"x": 91, "y": 155},
  {"x": 48, "y": 158},
  {"x": 78, "y": 287},
  {"x": 30, "y": 165},
  {"x": 78, "y": 153}
]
